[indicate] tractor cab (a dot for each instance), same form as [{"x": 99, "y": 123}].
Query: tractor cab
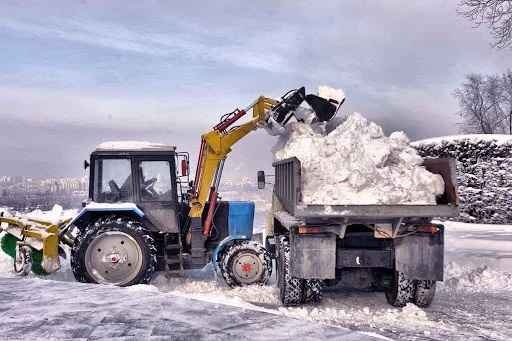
[{"x": 141, "y": 173}]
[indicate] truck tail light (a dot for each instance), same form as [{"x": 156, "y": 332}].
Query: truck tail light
[
  {"x": 308, "y": 229},
  {"x": 428, "y": 228}
]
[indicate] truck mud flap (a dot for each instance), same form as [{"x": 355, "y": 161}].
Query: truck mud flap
[
  {"x": 313, "y": 256},
  {"x": 421, "y": 256}
]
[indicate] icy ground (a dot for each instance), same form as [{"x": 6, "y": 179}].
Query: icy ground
[
  {"x": 474, "y": 302},
  {"x": 34, "y": 309}
]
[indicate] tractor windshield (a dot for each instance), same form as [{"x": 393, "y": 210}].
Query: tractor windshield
[{"x": 113, "y": 180}]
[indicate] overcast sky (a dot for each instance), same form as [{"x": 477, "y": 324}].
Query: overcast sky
[{"x": 74, "y": 73}]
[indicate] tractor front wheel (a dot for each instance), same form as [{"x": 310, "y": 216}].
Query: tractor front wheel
[{"x": 114, "y": 250}]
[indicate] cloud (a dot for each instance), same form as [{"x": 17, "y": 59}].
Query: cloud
[
  {"x": 121, "y": 68},
  {"x": 58, "y": 106},
  {"x": 115, "y": 36}
]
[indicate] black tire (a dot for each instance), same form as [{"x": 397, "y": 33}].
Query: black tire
[
  {"x": 245, "y": 248},
  {"x": 126, "y": 226},
  {"x": 313, "y": 290},
  {"x": 401, "y": 291},
  {"x": 291, "y": 290},
  {"x": 424, "y": 293}
]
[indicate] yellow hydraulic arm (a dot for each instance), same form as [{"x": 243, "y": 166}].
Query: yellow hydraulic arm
[{"x": 215, "y": 146}]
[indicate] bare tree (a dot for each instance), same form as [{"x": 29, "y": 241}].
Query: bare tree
[
  {"x": 474, "y": 106},
  {"x": 506, "y": 81},
  {"x": 497, "y": 14},
  {"x": 486, "y": 103},
  {"x": 493, "y": 92}
]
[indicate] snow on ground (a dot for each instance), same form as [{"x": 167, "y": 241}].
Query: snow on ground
[
  {"x": 473, "y": 303},
  {"x": 357, "y": 164},
  {"x": 34, "y": 309}
]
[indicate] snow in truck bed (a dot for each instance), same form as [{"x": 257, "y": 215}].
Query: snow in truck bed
[{"x": 356, "y": 164}]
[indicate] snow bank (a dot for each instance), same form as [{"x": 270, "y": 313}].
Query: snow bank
[
  {"x": 55, "y": 216},
  {"x": 356, "y": 163},
  {"x": 480, "y": 279}
]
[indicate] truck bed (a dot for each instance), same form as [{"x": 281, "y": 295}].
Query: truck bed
[{"x": 287, "y": 189}]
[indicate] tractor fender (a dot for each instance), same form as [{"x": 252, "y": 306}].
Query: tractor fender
[
  {"x": 226, "y": 242},
  {"x": 94, "y": 208}
]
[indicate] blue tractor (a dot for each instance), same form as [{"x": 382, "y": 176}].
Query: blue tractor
[{"x": 136, "y": 222}]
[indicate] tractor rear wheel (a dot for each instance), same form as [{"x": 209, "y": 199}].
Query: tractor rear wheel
[
  {"x": 114, "y": 250},
  {"x": 245, "y": 262},
  {"x": 291, "y": 289}
]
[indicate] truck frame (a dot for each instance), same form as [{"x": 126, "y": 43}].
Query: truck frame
[{"x": 395, "y": 248}]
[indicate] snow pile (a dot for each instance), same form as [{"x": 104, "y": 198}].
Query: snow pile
[
  {"x": 55, "y": 216},
  {"x": 331, "y": 93},
  {"x": 356, "y": 163}
]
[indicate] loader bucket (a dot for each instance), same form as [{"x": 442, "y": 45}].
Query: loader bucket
[
  {"x": 324, "y": 109},
  {"x": 8, "y": 246}
]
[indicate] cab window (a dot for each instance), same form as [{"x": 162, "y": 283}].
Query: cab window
[
  {"x": 156, "y": 182},
  {"x": 113, "y": 180}
]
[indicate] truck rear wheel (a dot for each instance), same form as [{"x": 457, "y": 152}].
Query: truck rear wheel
[
  {"x": 313, "y": 291},
  {"x": 401, "y": 291},
  {"x": 116, "y": 251},
  {"x": 245, "y": 262},
  {"x": 291, "y": 290},
  {"x": 424, "y": 293}
]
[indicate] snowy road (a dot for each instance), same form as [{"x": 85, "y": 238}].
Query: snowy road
[
  {"x": 41, "y": 309},
  {"x": 474, "y": 302}
]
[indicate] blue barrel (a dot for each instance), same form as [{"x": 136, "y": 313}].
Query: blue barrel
[{"x": 241, "y": 218}]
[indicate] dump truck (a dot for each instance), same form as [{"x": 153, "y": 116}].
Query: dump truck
[
  {"x": 145, "y": 214},
  {"x": 394, "y": 248}
]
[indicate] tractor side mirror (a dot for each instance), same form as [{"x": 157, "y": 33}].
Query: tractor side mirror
[
  {"x": 261, "y": 179},
  {"x": 184, "y": 167},
  {"x": 86, "y": 164}
]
